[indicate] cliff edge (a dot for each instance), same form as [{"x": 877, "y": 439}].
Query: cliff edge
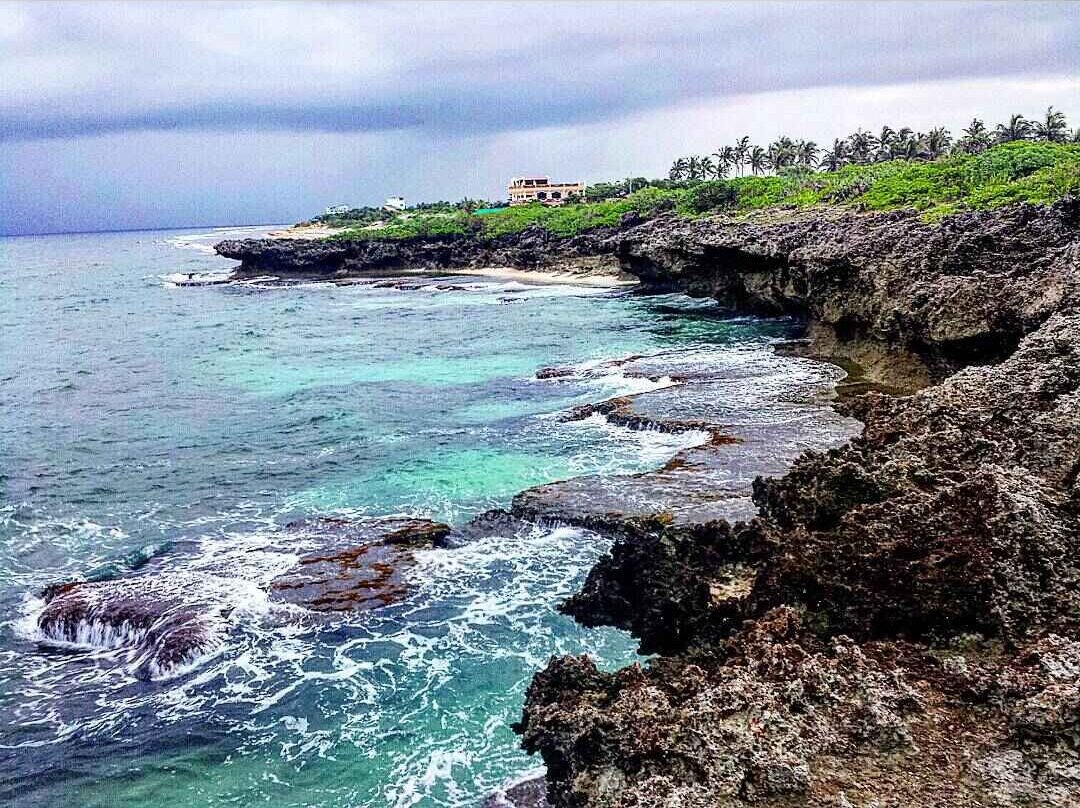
[{"x": 900, "y": 625}]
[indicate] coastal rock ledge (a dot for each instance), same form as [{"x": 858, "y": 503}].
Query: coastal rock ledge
[{"x": 899, "y": 626}]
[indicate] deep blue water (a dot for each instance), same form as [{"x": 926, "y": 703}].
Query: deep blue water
[{"x": 136, "y": 417}]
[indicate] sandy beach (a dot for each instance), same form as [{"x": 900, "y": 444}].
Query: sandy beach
[{"x": 583, "y": 277}]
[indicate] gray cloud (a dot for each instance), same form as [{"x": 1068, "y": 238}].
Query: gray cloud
[
  {"x": 72, "y": 70},
  {"x": 169, "y": 114}
]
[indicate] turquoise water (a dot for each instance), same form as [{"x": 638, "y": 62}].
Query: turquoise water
[{"x": 138, "y": 419}]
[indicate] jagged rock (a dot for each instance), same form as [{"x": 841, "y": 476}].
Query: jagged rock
[
  {"x": 913, "y": 598},
  {"x": 653, "y": 584},
  {"x": 955, "y": 511},
  {"x": 690, "y": 732},
  {"x": 531, "y": 793},
  {"x": 910, "y": 301},
  {"x": 532, "y": 248}
]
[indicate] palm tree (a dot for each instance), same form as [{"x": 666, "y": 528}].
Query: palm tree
[
  {"x": 1018, "y": 128},
  {"x": 806, "y": 152},
  {"x": 707, "y": 167},
  {"x": 1051, "y": 128},
  {"x": 862, "y": 146},
  {"x": 741, "y": 152},
  {"x": 901, "y": 145},
  {"x": 679, "y": 170},
  {"x": 976, "y": 137},
  {"x": 694, "y": 166},
  {"x": 725, "y": 159},
  {"x": 781, "y": 152},
  {"x": 885, "y": 143},
  {"x": 936, "y": 142},
  {"x": 759, "y": 160},
  {"x": 835, "y": 157}
]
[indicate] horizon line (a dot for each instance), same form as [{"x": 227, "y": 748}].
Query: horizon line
[{"x": 139, "y": 229}]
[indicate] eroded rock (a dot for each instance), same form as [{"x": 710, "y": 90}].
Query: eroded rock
[
  {"x": 359, "y": 564},
  {"x": 911, "y": 600},
  {"x": 162, "y": 625}
]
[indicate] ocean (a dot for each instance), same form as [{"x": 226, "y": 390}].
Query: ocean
[{"x": 186, "y": 428}]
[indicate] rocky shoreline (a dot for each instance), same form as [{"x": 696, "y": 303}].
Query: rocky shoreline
[{"x": 899, "y": 625}]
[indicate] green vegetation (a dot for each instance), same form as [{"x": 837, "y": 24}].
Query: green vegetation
[
  {"x": 567, "y": 220},
  {"x": 1016, "y": 161},
  {"x": 1017, "y": 171},
  {"x": 864, "y": 148},
  {"x": 1011, "y": 172}
]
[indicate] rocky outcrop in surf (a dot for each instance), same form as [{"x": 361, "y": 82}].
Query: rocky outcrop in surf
[
  {"x": 747, "y": 410},
  {"x": 358, "y": 565},
  {"x": 163, "y": 619},
  {"x": 161, "y": 627}
]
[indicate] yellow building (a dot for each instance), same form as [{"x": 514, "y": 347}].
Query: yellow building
[{"x": 524, "y": 190}]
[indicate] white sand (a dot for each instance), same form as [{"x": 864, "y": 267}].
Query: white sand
[
  {"x": 540, "y": 277},
  {"x": 312, "y": 231}
]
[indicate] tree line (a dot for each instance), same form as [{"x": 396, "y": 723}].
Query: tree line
[{"x": 863, "y": 148}]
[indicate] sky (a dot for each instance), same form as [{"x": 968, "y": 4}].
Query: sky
[{"x": 169, "y": 114}]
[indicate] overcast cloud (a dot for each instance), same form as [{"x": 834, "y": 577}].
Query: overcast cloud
[{"x": 157, "y": 114}]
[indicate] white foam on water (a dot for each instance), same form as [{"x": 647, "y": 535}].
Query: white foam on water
[
  {"x": 204, "y": 242},
  {"x": 198, "y": 242},
  {"x": 303, "y": 689},
  {"x": 634, "y": 450}
]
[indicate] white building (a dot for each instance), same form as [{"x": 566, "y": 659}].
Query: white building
[
  {"x": 525, "y": 190},
  {"x": 337, "y": 210},
  {"x": 394, "y": 203}
]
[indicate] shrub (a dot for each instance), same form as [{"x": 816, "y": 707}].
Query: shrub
[{"x": 711, "y": 195}]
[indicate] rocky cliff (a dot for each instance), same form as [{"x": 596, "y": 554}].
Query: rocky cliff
[
  {"x": 899, "y": 625},
  {"x": 908, "y": 301},
  {"x": 532, "y": 248}
]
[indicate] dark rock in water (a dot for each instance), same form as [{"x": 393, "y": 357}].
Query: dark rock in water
[
  {"x": 526, "y": 794},
  {"x": 359, "y": 564},
  {"x": 554, "y": 373},
  {"x": 496, "y": 522},
  {"x": 163, "y": 625},
  {"x": 671, "y": 585}
]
